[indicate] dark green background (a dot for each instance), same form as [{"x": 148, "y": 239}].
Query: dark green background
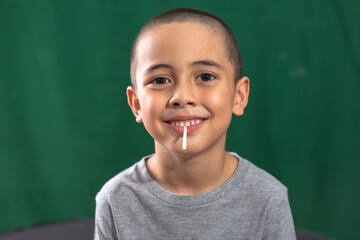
[{"x": 65, "y": 127}]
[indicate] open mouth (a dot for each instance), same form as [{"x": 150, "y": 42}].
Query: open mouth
[
  {"x": 187, "y": 123},
  {"x": 191, "y": 124}
]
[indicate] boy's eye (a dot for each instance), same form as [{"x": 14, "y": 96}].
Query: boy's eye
[
  {"x": 160, "y": 80},
  {"x": 205, "y": 77}
]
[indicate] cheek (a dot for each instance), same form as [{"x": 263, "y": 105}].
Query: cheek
[
  {"x": 152, "y": 107},
  {"x": 146, "y": 108},
  {"x": 221, "y": 101},
  {"x": 220, "y": 105},
  {"x": 148, "y": 115}
]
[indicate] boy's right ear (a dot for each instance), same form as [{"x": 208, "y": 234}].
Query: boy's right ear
[{"x": 134, "y": 103}]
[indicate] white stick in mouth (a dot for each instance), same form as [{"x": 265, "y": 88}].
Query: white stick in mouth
[{"x": 184, "y": 138}]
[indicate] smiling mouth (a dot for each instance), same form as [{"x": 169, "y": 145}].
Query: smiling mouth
[
  {"x": 191, "y": 124},
  {"x": 186, "y": 123}
]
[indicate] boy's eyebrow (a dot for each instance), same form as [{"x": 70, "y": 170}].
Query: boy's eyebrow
[
  {"x": 156, "y": 66},
  {"x": 195, "y": 63},
  {"x": 207, "y": 63}
]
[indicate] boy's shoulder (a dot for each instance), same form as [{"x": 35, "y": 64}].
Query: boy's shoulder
[
  {"x": 120, "y": 183},
  {"x": 260, "y": 183}
]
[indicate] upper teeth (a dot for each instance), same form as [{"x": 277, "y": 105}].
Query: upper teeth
[{"x": 185, "y": 123}]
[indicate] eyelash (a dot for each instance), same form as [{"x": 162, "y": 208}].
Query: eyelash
[
  {"x": 166, "y": 80},
  {"x": 212, "y": 77},
  {"x": 157, "y": 78}
]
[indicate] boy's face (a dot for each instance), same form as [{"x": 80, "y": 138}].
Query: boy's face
[{"x": 184, "y": 76}]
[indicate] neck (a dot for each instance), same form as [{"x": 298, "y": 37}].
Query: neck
[{"x": 191, "y": 174}]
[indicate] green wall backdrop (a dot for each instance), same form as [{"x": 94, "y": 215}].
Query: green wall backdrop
[{"x": 65, "y": 127}]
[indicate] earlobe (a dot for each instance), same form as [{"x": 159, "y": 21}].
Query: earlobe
[
  {"x": 242, "y": 89},
  {"x": 134, "y": 103}
]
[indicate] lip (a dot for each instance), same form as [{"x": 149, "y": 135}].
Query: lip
[
  {"x": 184, "y": 118},
  {"x": 190, "y": 128}
]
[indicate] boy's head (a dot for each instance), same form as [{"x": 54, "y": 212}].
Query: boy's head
[
  {"x": 197, "y": 16},
  {"x": 186, "y": 71}
]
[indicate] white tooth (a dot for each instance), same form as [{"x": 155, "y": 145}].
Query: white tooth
[
  {"x": 172, "y": 123},
  {"x": 187, "y": 124},
  {"x": 177, "y": 124},
  {"x": 182, "y": 124},
  {"x": 198, "y": 121},
  {"x": 192, "y": 122}
]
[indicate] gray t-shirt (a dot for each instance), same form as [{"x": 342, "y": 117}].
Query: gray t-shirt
[{"x": 251, "y": 204}]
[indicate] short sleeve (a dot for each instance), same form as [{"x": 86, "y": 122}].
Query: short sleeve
[
  {"x": 104, "y": 224},
  {"x": 279, "y": 222}
]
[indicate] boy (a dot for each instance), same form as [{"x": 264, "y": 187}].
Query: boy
[{"x": 186, "y": 84}]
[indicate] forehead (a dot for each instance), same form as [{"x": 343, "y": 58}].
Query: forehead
[{"x": 180, "y": 43}]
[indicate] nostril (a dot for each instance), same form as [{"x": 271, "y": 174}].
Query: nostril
[
  {"x": 181, "y": 101},
  {"x": 178, "y": 104}
]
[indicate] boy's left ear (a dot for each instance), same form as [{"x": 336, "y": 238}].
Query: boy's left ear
[{"x": 242, "y": 90}]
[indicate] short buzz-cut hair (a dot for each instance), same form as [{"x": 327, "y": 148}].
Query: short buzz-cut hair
[{"x": 192, "y": 15}]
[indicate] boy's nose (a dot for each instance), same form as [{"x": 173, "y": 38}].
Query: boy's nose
[{"x": 182, "y": 96}]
